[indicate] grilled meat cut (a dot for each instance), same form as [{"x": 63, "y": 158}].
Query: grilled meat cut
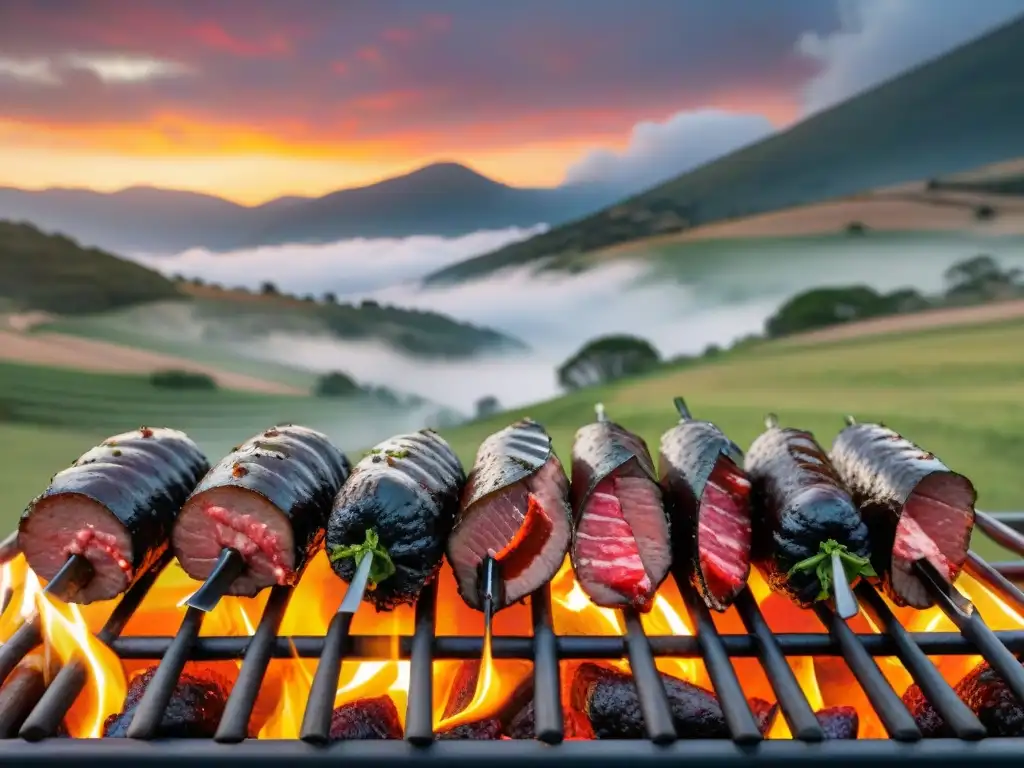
[
  {"x": 988, "y": 696},
  {"x": 515, "y": 507},
  {"x": 115, "y": 506},
  {"x": 609, "y": 699},
  {"x": 194, "y": 711},
  {"x": 366, "y": 719},
  {"x": 621, "y": 550},
  {"x": 707, "y": 497},
  {"x": 839, "y": 722},
  {"x": 399, "y": 504},
  {"x": 268, "y": 499},
  {"x": 915, "y": 507},
  {"x": 802, "y": 514}
]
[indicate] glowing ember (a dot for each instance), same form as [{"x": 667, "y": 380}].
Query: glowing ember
[{"x": 69, "y": 630}]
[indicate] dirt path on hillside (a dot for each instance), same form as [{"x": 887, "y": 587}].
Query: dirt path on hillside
[
  {"x": 66, "y": 351},
  {"x": 918, "y": 321}
]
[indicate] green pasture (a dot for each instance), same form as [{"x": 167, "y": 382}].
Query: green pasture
[{"x": 957, "y": 392}]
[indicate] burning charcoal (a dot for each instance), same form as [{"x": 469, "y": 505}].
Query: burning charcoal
[
  {"x": 193, "y": 712},
  {"x": 985, "y": 692},
  {"x": 461, "y": 694},
  {"x": 482, "y": 730},
  {"x": 839, "y": 722},
  {"x": 610, "y": 700},
  {"x": 575, "y": 724},
  {"x": 366, "y": 719}
]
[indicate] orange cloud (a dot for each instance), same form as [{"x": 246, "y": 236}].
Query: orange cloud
[{"x": 215, "y": 37}]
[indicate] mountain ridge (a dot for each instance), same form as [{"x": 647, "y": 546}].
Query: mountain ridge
[
  {"x": 444, "y": 198},
  {"x": 955, "y": 112}
]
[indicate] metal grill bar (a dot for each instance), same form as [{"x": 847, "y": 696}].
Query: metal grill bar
[
  {"x": 46, "y": 717},
  {"x": 9, "y": 548},
  {"x": 547, "y": 678},
  {"x": 988, "y": 575},
  {"x": 795, "y": 707},
  {"x": 1000, "y": 532},
  {"x": 570, "y": 647},
  {"x": 419, "y": 714},
  {"x": 738, "y": 717},
  {"x": 895, "y": 718},
  {"x": 654, "y": 706},
  {"x": 118, "y": 753},
  {"x": 234, "y": 725},
  {"x": 956, "y": 714},
  {"x": 1013, "y": 571}
]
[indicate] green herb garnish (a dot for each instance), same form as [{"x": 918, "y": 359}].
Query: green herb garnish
[
  {"x": 854, "y": 566},
  {"x": 380, "y": 569}
]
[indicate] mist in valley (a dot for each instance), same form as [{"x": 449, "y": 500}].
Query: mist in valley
[{"x": 681, "y": 300}]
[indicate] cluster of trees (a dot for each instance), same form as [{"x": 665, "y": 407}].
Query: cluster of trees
[
  {"x": 975, "y": 280},
  {"x": 178, "y": 379},
  {"x": 607, "y": 359}
]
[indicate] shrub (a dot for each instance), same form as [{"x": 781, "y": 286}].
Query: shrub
[
  {"x": 336, "y": 384},
  {"x": 178, "y": 379}
]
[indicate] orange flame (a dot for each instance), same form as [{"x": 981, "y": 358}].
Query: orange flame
[{"x": 68, "y": 632}]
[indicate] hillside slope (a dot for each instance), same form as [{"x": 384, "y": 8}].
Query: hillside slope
[
  {"x": 442, "y": 199},
  {"x": 52, "y": 273},
  {"x": 956, "y": 112}
]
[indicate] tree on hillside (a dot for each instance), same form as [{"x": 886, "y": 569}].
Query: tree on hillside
[
  {"x": 487, "y": 406},
  {"x": 268, "y": 289},
  {"x": 337, "y": 384},
  {"x": 979, "y": 277},
  {"x": 607, "y": 359},
  {"x": 330, "y": 298},
  {"x": 822, "y": 307}
]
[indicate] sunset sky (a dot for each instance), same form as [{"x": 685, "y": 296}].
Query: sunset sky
[{"x": 251, "y": 99}]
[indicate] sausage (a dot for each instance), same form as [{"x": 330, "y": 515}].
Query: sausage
[
  {"x": 400, "y": 504},
  {"x": 802, "y": 514}
]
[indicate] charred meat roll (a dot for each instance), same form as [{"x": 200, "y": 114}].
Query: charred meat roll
[
  {"x": 914, "y": 505},
  {"x": 115, "y": 506},
  {"x": 399, "y": 505},
  {"x": 515, "y": 508},
  {"x": 621, "y": 550},
  {"x": 269, "y": 499},
  {"x": 803, "y": 514},
  {"x": 707, "y": 497}
]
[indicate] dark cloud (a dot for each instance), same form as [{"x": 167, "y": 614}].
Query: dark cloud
[{"x": 320, "y": 70}]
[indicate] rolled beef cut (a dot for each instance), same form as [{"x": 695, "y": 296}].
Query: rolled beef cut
[
  {"x": 115, "y": 506},
  {"x": 914, "y": 505},
  {"x": 707, "y": 497},
  {"x": 516, "y": 508},
  {"x": 621, "y": 550},
  {"x": 399, "y": 505},
  {"x": 268, "y": 499}
]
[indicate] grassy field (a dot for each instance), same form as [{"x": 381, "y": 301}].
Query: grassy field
[{"x": 958, "y": 393}]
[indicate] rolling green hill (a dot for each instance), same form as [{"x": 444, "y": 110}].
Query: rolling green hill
[
  {"x": 100, "y": 295},
  {"x": 52, "y": 273},
  {"x": 957, "y": 112}
]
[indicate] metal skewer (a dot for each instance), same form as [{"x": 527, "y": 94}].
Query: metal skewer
[
  {"x": 316, "y": 722},
  {"x": 153, "y": 705},
  {"x": 963, "y": 613}
]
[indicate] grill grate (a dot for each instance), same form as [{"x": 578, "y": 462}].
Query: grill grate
[{"x": 545, "y": 649}]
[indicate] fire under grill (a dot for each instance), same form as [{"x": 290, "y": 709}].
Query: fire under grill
[{"x": 33, "y": 707}]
